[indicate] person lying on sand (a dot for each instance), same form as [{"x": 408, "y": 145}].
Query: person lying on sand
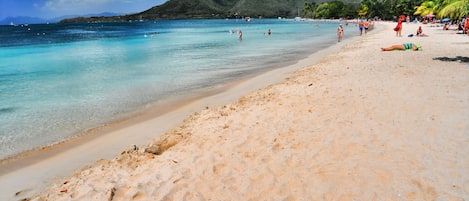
[{"x": 406, "y": 46}]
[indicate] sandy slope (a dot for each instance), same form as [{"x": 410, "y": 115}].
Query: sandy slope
[{"x": 360, "y": 125}]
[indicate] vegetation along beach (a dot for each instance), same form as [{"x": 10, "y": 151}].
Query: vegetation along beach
[{"x": 140, "y": 107}]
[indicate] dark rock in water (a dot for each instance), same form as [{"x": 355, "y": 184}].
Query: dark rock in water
[
  {"x": 458, "y": 58},
  {"x": 7, "y": 110}
]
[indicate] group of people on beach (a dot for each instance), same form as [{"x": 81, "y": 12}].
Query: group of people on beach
[
  {"x": 415, "y": 47},
  {"x": 363, "y": 26},
  {"x": 398, "y": 28},
  {"x": 405, "y": 46},
  {"x": 462, "y": 25}
]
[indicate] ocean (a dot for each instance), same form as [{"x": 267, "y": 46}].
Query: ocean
[{"x": 59, "y": 80}]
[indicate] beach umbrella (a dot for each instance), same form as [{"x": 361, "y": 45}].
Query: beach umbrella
[
  {"x": 429, "y": 16},
  {"x": 445, "y": 20}
]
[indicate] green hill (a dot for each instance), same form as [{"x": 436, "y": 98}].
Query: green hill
[
  {"x": 176, "y": 9},
  {"x": 206, "y": 9}
]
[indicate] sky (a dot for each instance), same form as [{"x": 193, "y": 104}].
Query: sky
[{"x": 48, "y": 9}]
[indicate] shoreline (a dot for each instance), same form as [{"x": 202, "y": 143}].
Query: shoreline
[
  {"x": 35, "y": 164},
  {"x": 137, "y": 112},
  {"x": 164, "y": 106}
]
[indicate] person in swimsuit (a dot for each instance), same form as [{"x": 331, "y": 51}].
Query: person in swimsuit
[
  {"x": 366, "y": 25},
  {"x": 360, "y": 27},
  {"x": 405, "y": 46},
  {"x": 420, "y": 32},
  {"x": 340, "y": 32}
]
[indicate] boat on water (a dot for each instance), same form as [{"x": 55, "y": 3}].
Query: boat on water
[{"x": 298, "y": 18}]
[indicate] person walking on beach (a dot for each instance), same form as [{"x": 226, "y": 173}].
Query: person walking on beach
[
  {"x": 361, "y": 25},
  {"x": 398, "y": 28},
  {"x": 340, "y": 32},
  {"x": 366, "y": 25}
]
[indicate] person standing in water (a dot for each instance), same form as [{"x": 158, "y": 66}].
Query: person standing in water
[{"x": 340, "y": 32}]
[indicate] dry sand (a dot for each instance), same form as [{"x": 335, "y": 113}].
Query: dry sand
[{"x": 360, "y": 125}]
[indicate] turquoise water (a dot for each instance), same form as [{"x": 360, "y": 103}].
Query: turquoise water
[{"x": 59, "y": 80}]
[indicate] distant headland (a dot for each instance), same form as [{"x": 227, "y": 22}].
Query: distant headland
[{"x": 209, "y": 9}]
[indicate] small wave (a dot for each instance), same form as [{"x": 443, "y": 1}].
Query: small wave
[{"x": 78, "y": 31}]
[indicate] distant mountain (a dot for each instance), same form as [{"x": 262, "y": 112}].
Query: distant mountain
[
  {"x": 104, "y": 14},
  {"x": 36, "y": 20},
  {"x": 206, "y": 9}
]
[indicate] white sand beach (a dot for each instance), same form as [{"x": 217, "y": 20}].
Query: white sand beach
[{"x": 359, "y": 124}]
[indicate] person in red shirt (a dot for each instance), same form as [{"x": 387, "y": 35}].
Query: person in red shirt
[{"x": 398, "y": 28}]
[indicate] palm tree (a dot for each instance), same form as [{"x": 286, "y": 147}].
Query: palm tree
[
  {"x": 455, "y": 9},
  {"x": 363, "y": 11},
  {"x": 427, "y": 7}
]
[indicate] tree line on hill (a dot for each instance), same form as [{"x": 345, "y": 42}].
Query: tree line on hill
[
  {"x": 207, "y": 9},
  {"x": 387, "y": 9}
]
